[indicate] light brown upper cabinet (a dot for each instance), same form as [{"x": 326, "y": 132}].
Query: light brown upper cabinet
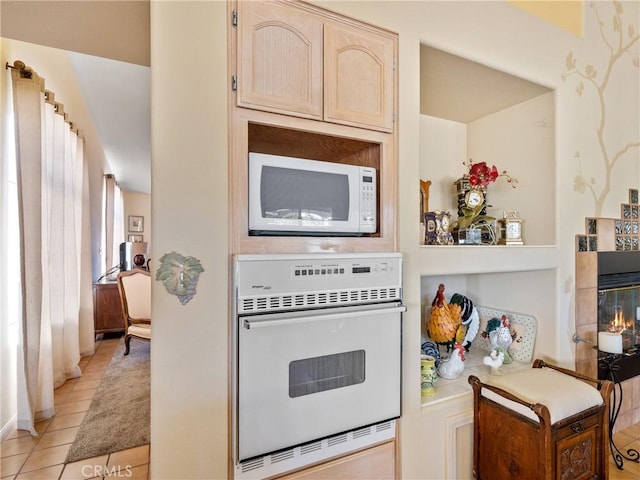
[
  {"x": 297, "y": 59},
  {"x": 358, "y": 77},
  {"x": 279, "y": 59}
]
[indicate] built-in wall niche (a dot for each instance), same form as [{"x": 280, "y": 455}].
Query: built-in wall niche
[
  {"x": 488, "y": 290},
  {"x": 472, "y": 111},
  {"x": 261, "y": 132}
]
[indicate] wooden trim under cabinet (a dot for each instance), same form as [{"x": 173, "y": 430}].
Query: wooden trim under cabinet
[{"x": 375, "y": 462}]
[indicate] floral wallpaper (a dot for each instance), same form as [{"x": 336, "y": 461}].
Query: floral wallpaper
[{"x": 596, "y": 78}]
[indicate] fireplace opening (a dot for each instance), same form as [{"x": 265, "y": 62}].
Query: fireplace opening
[{"x": 619, "y": 310}]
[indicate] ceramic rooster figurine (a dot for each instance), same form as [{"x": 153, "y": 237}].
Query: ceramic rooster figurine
[
  {"x": 494, "y": 360},
  {"x": 470, "y": 320},
  {"x": 444, "y": 320},
  {"x": 501, "y": 336},
  {"x": 453, "y": 367}
]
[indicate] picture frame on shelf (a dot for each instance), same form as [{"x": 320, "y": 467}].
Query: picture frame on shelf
[
  {"x": 136, "y": 223},
  {"x": 135, "y": 238}
]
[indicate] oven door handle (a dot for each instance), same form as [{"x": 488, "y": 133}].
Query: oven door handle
[{"x": 274, "y": 321}]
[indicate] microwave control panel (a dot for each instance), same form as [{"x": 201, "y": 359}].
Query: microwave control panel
[{"x": 367, "y": 199}]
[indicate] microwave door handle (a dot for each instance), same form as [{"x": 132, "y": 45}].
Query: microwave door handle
[{"x": 261, "y": 323}]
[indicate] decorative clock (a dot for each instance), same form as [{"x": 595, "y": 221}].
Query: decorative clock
[
  {"x": 437, "y": 228},
  {"x": 473, "y": 198},
  {"x": 511, "y": 228}
]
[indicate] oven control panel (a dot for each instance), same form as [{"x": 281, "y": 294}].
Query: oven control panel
[
  {"x": 271, "y": 278},
  {"x": 309, "y": 271}
]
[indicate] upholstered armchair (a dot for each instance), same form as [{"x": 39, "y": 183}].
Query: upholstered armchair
[{"x": 135, "y": 297}]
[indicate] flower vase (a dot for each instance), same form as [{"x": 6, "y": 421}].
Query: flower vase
[{"x": 428, "y": 375}]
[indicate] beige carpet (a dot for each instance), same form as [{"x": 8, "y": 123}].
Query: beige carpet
[{"x": 118, "y": 417}]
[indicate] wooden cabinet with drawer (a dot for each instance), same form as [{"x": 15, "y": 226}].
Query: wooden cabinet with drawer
[{"x": 107, "y": 311}]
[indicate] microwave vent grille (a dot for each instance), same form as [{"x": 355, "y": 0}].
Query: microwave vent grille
[{"x": 272, "y": 303}]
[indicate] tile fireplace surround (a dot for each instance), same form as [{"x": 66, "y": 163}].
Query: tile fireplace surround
[{"x": 604, "y": 235}]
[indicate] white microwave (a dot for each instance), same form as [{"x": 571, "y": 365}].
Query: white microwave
[{"x": 294, "y": 196}]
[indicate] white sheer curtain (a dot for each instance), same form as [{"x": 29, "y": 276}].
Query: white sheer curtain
[
  {"x": 113, "y": 217},
  {"x": 50, "y": 166},
  {"x": 118, "y": 222}
]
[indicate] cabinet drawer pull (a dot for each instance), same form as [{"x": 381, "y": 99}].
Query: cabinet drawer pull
[{"x": 578, "y": 427}]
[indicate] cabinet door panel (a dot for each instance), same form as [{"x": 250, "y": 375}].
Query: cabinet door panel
[
  {"x": 279, "y": 59},
  {"x": 374, "y": 463},
  {"x": 359, "y": 73}
]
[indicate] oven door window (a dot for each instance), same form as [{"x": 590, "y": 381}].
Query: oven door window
[{"x": 327, "y": 372}]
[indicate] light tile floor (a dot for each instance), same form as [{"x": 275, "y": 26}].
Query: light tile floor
[
  {"x": 628, "y": 438},
  {"x": 23, "y": 457}
]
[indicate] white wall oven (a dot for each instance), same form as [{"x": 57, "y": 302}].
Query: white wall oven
[{"x": 317, "y": 357}]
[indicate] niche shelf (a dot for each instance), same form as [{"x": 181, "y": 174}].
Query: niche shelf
[
  {"x": 473, "y": 259},
  {"x": 275, "y": 134}
]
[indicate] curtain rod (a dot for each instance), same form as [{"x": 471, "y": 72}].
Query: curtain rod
[
  {"x": 21, "y": 67},
  {"x": 27, "y": 72}
]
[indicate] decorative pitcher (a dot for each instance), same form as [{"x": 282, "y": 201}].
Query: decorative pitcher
[{"x": 428, "y": 374}]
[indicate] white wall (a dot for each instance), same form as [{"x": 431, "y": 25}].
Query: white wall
[
  {"x": 521, "y": 141},
  {"x": 138, "y": 204},
  {"x": 189, "y": 204},
  {"x": 443, "y": 149}
]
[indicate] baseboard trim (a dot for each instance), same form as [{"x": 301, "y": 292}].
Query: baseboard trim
[{"x": 8, "y": 428}]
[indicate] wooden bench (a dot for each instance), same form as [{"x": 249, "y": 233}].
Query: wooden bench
[{"x": 544, "y": 423}]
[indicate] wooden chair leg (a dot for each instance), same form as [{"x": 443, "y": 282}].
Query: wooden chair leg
[{"x": 127, "y": 340}]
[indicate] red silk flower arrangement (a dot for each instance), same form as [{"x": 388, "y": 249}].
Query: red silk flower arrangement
[{"x": 480, "y": 174}]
